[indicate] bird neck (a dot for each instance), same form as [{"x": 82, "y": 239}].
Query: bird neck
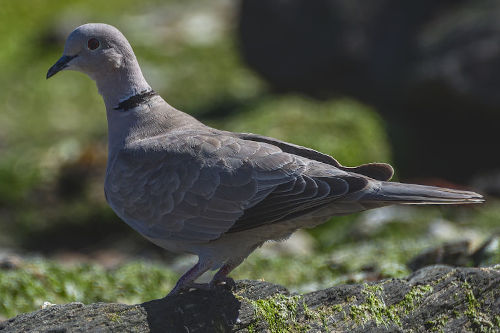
[
  {"x": 121, "y": 83},
  {"x": 116, "y": 86}
]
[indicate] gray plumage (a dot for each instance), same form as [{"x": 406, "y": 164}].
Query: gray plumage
[{"x": 191, "y": 188}]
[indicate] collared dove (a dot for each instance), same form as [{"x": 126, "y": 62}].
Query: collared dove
[{"x": 219, "y": 195}]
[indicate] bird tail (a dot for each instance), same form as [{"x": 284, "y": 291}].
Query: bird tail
[{"x": 400, "y": 193}]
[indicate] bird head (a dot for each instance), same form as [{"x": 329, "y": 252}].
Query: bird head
[{"x": 94, "y": 49}]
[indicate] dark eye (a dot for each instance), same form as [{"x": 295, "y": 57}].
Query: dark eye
[{"x": 93, "y": 44}]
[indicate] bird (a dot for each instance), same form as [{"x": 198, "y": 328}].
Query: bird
[{"x": 191, "y": 188}]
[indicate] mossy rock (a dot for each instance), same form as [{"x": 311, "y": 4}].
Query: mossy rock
[{"x": 436, "y": 298}]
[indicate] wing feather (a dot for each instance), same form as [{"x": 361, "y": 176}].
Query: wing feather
[
  {"x": 197, "y": 186},
  {"x": 379, "y": 171}
]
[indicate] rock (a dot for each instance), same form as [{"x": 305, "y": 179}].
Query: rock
[
  {"x": 456, "y": 253},
  {"x": 488, "y": 253},
  {"x": 459, "y": 253},
  {"x": 436, "y": 298},
  {"x": 9, "y": 261}
]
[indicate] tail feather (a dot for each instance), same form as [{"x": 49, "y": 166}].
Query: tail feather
[{"x": 401, "y": 193}]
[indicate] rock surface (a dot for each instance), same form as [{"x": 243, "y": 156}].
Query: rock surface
[{"x": 435, "y": 298}]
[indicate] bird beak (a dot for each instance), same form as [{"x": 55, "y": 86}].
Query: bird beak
[{"x": 61, "y": 64}]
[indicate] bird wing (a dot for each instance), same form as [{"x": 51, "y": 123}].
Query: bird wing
[
  {"x": 196, "y": 186},
  {"x": 379, "y": 171}
]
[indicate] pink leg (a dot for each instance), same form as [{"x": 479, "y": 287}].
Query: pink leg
[
  {"x": 187, "y": 280},
  {"x": 228, "y": 267}
]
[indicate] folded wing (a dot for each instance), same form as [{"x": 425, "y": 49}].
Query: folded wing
[{"x": 196, "y": 187}]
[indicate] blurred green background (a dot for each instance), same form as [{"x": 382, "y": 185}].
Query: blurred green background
[{"x": 60, "y": 242}]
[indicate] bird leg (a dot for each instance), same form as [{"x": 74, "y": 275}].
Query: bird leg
[
  {"x": 221, "y": 276},
  {"x": 187, "y": 280}
]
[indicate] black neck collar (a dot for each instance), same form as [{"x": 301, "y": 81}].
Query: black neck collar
[{"x": 135, "y": 100}]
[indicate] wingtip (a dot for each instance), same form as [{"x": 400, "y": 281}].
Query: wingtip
[
  {"x": 474, "y": 198},
  {"x": 478, "y": 198}
]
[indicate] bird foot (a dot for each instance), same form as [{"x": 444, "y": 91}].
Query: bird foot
[
  {"x": 189, "y": 286},
  {"x": 226, "y": 282},
  {"x": 199, "y": 286}
]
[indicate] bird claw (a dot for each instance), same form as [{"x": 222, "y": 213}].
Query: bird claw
[
  {"x": 189, "y": 286},
  {"x": 227, "y": 282},
  {"x": 199, "y": 286}
]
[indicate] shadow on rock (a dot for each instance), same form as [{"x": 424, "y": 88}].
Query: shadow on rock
[
  {"x": 193, "y": 311},
  {"x": 219, "y": 310}
]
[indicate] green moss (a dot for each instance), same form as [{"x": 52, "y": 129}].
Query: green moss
[
  {"x": 279, "y": 312},
  {"x": 374, "y": 307},
  {"x": 413, "y": 297},
  {"x": 308, "y": 313},
  {"x": 114, "y": 317},
  {"x": 322, "y": 313},
  {"x": 27, "y": 288},
  {"x": 472, "y": 303},
  {"x": 479, "y": 319},
  {"x": 438, "y": 324}
]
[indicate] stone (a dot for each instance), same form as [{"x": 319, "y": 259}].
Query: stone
[
  {"x": 456, "y": 253},
  {"x": 435, "y": 298}
]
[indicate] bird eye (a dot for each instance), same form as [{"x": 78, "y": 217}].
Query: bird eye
[{"x": 93, "y": 44}]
